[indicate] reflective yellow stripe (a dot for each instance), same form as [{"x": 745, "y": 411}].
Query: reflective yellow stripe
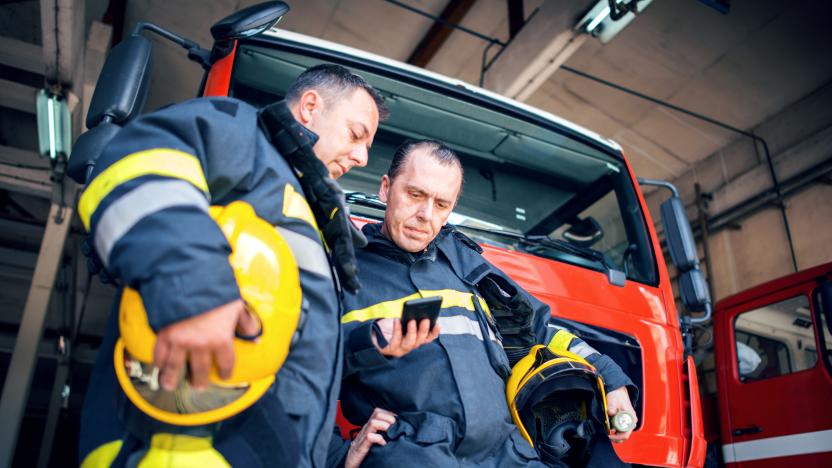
[
  {"x": 295, "y": 206},
  {"x": 161, "y": 161},
  {"x": 103, "y": 456},
  {"x": 560, "y": 342},
  {"x": 182, "y": 450},
  {"x": 393, "y": 309}
]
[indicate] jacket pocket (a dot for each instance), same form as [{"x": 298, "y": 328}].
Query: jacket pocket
[
  {"x": 522, "y": 447},
  {"x": 423, "y": 428},
  {"x": 295, "y": 396}
]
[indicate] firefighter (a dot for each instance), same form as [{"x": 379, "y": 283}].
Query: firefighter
[
  {"x": 446, "y": 386},
  {"x": 146, "y": 209}
]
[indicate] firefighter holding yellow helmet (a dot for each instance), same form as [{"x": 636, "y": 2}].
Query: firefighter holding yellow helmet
[{"x": 172, "y": 383}]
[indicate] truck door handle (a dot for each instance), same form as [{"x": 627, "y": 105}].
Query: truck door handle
[{"x": 747, "y": 430}]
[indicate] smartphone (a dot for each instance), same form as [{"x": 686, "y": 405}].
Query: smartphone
[{"x": 418, "y": 309}]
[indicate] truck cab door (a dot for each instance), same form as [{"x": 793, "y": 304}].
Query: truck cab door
[{"x": 775, "y": 390}]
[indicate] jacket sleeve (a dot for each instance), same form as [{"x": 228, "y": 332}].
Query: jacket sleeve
[
  {"x": 359, "y": 351},
  {"x": 146, "y": 207},
  {"x": 549, "y": 335}
]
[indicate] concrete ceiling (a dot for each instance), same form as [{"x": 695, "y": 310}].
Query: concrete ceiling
[{"x": 739, "y": 68}]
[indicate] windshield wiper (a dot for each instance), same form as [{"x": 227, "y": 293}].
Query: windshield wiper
[
  {"x": 365, "y": 199},
  {"x": 614, "y": 275}
]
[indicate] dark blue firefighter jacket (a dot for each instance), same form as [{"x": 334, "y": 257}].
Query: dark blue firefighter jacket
[
  {"x": 146, "y": 210},
  {"x": 449, "y": 395}
]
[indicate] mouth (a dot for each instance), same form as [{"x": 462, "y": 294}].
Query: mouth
[
  {"x": 343, "y": 168},
  {"x": 415, "y": 232}
]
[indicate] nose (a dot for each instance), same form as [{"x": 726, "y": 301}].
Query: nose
[
  {"x": 425, "y": 211},
  {"x": 359, "y": 155}
]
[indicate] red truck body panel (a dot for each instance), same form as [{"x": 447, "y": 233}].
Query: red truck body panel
[{"x": 781, "y": 417}]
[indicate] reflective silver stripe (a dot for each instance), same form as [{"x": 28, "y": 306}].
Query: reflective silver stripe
[
  {"x": 461, "y": 325},
  {"x": 781, "y": 446},
  {"x": 309, "y": 254},
  {"x": 144, "y": 200},
  {"x": 582, "y": 349}
]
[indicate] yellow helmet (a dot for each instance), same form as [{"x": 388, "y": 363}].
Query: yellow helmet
[
  {"x": 557, "y": 401},
  {"x": 269, "y": 283}
]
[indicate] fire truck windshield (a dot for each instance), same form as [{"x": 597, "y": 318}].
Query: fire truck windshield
[{"x": 533, "y": 183}]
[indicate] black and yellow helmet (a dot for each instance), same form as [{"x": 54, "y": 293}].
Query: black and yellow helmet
[
  {"x": 557, "y": 400},
  {"x": 269, "y": 284}
]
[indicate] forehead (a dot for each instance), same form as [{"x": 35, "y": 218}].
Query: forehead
[{"x": 424, "y": 172}]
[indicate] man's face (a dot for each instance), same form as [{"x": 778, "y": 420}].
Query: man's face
[
  {"x": 419, "y": 200},
  {"x": 346, "y": 128}
]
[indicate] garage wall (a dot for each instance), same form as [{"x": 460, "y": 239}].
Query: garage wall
[{"x": 754, "y": 249}]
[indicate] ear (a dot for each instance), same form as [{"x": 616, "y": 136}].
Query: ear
[
  {"x": 309, "y": 104},
  {"x": 384, "y": 188}
]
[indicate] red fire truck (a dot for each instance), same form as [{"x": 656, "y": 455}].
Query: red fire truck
[
  {"x": 767, "y": 385},
  {"x": 554, "y": 205}
]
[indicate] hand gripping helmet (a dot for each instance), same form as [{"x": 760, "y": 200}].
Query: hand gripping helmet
[
  {"x": 269, "y": 283},
  {"x": 557, "y": 401}
]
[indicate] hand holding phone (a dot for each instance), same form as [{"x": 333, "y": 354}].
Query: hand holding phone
[
  {"x": 420, "y": 309},
  {"x": 394, "y": 329}
]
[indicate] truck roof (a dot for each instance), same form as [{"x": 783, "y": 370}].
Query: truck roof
[
  {"x": 774, "y": 285},
  {"x": 426, "y": 74}
]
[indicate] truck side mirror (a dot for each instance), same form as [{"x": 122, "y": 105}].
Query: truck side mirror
[
  {"x": 694, "y": 291},
  {"x": 249, "y": 21},
  {"x": 119, "y": 96},
  {"x": 678, "y": 234},
  {"x": 825, "y": 302}
]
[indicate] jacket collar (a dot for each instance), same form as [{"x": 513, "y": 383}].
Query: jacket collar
[{"x": 381, "y": 244}]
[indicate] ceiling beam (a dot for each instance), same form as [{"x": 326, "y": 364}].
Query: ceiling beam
[
  {"x": 439, "y": 32},
  {"x": 21, "y": 55},
  {"x": 24, "y": 172},
  {"x": 17, "y": 96},
  {"x": 544, "y": 43},
  {"x": 62, "y": 29}
]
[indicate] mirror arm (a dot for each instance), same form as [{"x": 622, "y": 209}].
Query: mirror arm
[
  {"x": 195, "y": 52},
  {"x": 658, "y": 183},
  {"x": 704, "y": 318}
]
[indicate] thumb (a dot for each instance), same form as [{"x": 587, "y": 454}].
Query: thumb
[{"x": 248, "y": 325}]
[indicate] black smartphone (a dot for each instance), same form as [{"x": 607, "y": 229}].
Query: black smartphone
[{"x": 418, "y": 309}]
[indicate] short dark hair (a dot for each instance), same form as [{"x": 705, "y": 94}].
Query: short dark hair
[
  {"x": 438, "y": 150},
  {"x": 333, "y": 81}
]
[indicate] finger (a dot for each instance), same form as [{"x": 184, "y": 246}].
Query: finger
[
  {"x": 424, "y": 330},
  {"x": 434, "y": 333},
  {"x": 172, "y": 368},
  {"x": 396, "y": 341},
  {"x": 248, "y": 324},
  {"x": 160, "y": 352},
  {"x": 383, "y": 415},
  {"x": 200, "y": 364},
  {"x": 224, "y": 357},
  {"x": 409, "y": 340},
  {"x": 377, "y": 425},
  {"x": 376, "y": 439}
]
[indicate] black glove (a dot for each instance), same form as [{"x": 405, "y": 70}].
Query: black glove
[{"x": 513, "y": 315}]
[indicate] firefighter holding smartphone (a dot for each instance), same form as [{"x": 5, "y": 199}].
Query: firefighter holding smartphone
[{"x": 443, "y": 388}]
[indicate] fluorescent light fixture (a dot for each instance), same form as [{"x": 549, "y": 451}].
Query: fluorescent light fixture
[
  {"x": 598, "y": 19},
  {"x": 54, "y": 126},
  {"x": 598, "y": 22}
]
